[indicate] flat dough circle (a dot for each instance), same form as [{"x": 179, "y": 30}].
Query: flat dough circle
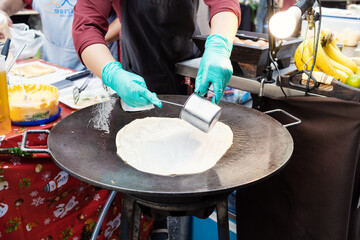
[{"x": 171, "y": 146}]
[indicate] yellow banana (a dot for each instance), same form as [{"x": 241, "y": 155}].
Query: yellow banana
[
  {"x": 341, "y": 67},
  {"x": 309, "y": 55},
  {"x": 356, "y": 60},
  {"x": 322, "y": 61},
  {"x": 297, "y": 57},
  {"x": 303, "y": 57},
  {"x": 333, "y": 52},
  {"x": 326, "y": 32},
  {"x": 326, "y": 36},
  {"x": 333, "y": 43},
  {"x": 343, "y": 75}
]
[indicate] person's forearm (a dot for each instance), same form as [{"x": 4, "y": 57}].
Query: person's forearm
[
  {"x": 11, "y": 7},
  {"x": 280, "y": 3},
  {"x": 95, "y": 57},
  {"x": 112, "y": 34},
  {"x": 225, "y": 24}
]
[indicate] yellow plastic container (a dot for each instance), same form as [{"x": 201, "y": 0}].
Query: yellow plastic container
[
  {"x": 5, "y": 122},
  {"x": 41, "y": 102}
]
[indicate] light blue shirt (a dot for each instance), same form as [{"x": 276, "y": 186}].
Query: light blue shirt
[{"x": 56, "y": 18}]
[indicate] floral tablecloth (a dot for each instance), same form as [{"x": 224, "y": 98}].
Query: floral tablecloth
[{"x": 38, "y": 200}]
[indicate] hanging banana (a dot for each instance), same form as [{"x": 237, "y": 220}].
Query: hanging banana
[
  {"x": 334, "y": 52},
  {"x": 322, "y": 60},
  {"x": 343, "y": 76},
  {"x": 298, "y": 55},
  {"x": 341, "y": 67},
  {"x": 304, "y": 57}
]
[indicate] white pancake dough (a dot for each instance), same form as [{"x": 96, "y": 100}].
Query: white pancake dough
[{"x": 171, "y": 146}]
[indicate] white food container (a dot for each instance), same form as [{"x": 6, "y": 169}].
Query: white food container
[{"x": 345, "y": 25}]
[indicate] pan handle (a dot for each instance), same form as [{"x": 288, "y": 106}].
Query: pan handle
[
  {"x": 297, "y": 121},
  {"x": 33, "y": 150}
]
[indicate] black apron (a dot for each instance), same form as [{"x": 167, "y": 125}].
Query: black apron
[
  {"x": 316, "y": 196},
  {"x": 156, "y": 34}
]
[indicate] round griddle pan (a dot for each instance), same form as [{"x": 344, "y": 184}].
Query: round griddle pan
[{"x": 83, "y": 144}]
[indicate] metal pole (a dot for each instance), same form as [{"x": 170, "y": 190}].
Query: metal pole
[
  {"x": 102, "y": 215},
  {"x": 223, "y": 219}
]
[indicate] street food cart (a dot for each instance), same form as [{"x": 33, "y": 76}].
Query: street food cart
[{"x": 315, "y": 195}]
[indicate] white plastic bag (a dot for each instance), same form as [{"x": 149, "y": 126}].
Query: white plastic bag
[{"x": 21, "y": 34}]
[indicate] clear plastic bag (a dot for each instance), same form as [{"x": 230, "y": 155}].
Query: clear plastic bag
[{"x": 20, "y": 34}]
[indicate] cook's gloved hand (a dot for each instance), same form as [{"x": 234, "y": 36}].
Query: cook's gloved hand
[
  {"x": 215, "y": 67},
  {"x": 130, "y": 87}
]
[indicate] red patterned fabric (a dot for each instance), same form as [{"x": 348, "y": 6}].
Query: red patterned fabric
[{"x": 40, "y": 201}]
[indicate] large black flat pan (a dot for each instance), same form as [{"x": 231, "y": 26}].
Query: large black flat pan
[{"x": 83, "y": 144}]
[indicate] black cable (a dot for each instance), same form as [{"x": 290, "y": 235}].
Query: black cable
[
  {"x": 277, "y": 69},
  {"x": 316, "y": 42}
]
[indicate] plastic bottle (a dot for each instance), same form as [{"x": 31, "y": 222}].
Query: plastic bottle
[
  {"x": 4, "y": 27},
  {"x": 5, "y": 122},
  {"x": 229, "y": 95}
]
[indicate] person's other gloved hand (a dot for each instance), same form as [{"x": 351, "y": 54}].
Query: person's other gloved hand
[
  {"x": 215, "y": 67},
  {"x": 130, "y": 87}
]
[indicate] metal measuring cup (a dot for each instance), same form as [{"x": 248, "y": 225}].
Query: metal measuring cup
[{"x": 199, "y": 112}]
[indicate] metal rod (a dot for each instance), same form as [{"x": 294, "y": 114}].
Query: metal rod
[
  {"x": 176, "y": 104},
  {"x": 136, "y": 222},
  {"x": 102, "y": 215},
  {"x": 223, "y": 219},
  {"x": 33, "y": 150},
  {"x": 127, "y": 214},
  {"x": 297, "y": 120},
  {"x": 15, "y": 58}
]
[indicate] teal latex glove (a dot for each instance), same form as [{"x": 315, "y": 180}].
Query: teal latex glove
[
  {"x": 130, "y": 87},
  {"x": 215, "y": 67}
]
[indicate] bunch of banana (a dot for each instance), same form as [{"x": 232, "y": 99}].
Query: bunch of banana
[
  {"x": 304, "y": 58},
  {"x": 344, "y": 63},
  {"x": 329, "y": 59}
]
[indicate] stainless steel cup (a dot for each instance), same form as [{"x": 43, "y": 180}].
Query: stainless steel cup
[{"x": 200, "y": 112}]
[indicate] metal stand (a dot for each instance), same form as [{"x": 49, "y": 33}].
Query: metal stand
[
  {"x": 130, "y": 219},
  {"x": 133, "y": 206},
  {"x": 266, "y": 77},
  {"x": 222, "y": 219}
]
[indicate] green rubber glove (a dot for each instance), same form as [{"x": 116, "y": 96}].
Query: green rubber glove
[
  {"x": 215, "y": 67},
  {"x": 130, "y": 87}
]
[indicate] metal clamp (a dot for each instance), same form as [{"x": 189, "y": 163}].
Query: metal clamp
[
  {"x": 301, "y": 86},
  {"x": 297, "y": 120},
  {"x": 33, "y": 150},
  {"x": 265, "y": 78}
]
